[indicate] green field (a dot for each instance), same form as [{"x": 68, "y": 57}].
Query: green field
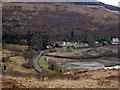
[{"x": 45, "y": 66}]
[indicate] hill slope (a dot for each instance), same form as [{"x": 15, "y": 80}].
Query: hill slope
[{"x": 57, "y": 21}]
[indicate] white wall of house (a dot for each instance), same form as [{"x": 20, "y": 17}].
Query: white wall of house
[
  {"x": 74, "y": 44},
  {"x": 115, "y": 41}
]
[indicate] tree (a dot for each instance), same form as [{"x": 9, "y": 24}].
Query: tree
[
  {"x": 39, "y": 41},
  {"x": 72, "y": 37},
  {"x": 28, "y": 56},
  {"x": 44, "y": 41},
  {"x": 29, "y": 38},
  {"x": 90, "y": 39},
  {"x": 53, "y": 65}
]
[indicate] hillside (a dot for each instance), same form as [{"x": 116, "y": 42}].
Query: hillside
[{"x": 57, "y": 21}]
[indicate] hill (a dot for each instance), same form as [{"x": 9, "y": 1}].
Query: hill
[{"x": 56, "y": 21}]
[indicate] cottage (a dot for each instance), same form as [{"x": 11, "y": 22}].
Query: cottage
[
  {"x": 115, "y": 41},
  {"x": 84, "y": 45},
  {"x": 74, "y": 44},
  {"x": 49, "y": 46},
  {"x": 58, "y": 4},
  {"x": 66, "y": 44}
]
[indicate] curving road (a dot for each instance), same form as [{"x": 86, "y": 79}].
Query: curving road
[{"x": 36, "y": 65}]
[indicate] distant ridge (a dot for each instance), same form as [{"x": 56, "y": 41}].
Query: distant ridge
[{"x": 110, "y": 7}]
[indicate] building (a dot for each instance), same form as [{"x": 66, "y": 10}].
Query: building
[
  {"x": 49, "y": 46},
  {"x": 115, "y": 41},
  {"x": 74, "y": 44}
]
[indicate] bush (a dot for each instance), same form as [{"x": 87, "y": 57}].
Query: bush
[
  {"x": 6, "y": 59},
  {"x": 54, "y": 65},
  {"x": 45, "y": 66},
  {"x": 28, "y": 65}
]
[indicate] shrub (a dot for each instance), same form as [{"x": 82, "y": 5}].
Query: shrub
[
  {"x": 28, "y": 65},
  {"x": 6, "y": 59}
]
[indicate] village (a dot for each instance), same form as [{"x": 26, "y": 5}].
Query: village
[{"x": 75, "y": 45}]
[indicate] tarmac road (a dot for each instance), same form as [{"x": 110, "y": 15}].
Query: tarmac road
[
  {"x": 35, "y": 61},
  {"x": 36, "y": 65}
]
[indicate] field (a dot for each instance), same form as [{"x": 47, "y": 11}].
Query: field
[
  {"x": 63, "y": 52},
  {"x": 15, "y": 47}
]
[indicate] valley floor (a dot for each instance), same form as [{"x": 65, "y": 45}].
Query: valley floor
[{"x": 16, "y": 76}]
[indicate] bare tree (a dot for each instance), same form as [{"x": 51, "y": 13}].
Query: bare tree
[{"x": 29, "y": 56}]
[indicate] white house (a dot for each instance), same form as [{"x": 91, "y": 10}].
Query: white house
[
  {"x": 115, "y": 41},
  {"x": 74, "y": 44},
  {"x": 48, "y": 46},
  {"x": 84, "y": 45}
]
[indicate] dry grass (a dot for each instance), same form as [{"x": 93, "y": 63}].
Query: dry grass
[
  {"x": 66, "y": 54},
  {"x": 15, "y": 67},
  {"x": 14, "y": 47},
  {"x": 6, "y": 53},
  {"x": 104, "y": 82},
  {"x": 87, "y": 79},
  {"x": 11, "y": 83}
]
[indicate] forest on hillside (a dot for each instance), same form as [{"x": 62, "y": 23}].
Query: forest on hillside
[{"x": 34, "y": 25}]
